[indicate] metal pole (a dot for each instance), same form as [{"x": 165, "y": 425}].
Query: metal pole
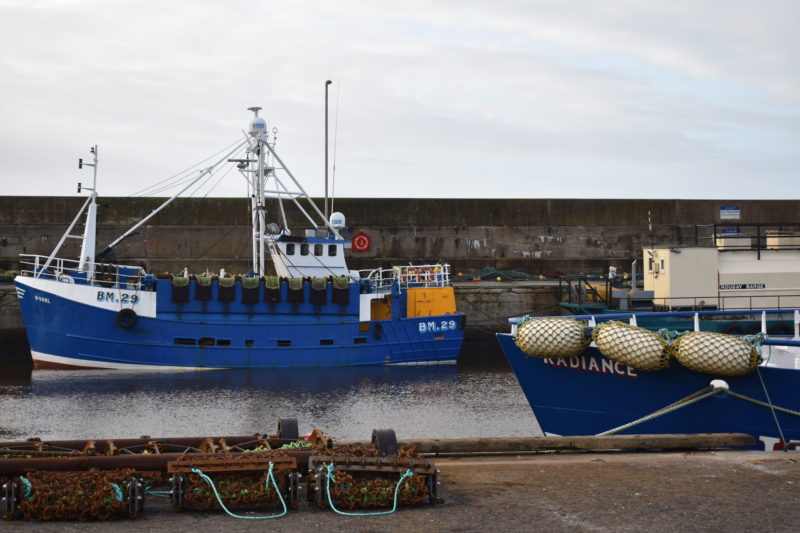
[{"x": 327, "y": 215}]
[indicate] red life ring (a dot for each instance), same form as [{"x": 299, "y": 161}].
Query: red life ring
[
  {"x": 361, "y": 242},
  {"x": 425, "y": 275}
]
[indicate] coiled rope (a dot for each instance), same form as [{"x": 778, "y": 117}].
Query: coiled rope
[
  {"x": 329, "y": 474},
  {"x": 270, "y": 477}
]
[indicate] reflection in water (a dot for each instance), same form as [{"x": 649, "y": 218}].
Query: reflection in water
[{"x": 444, "y": 401}]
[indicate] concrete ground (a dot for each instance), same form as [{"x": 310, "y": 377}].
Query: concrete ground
[{"x": 726, "y": 491}]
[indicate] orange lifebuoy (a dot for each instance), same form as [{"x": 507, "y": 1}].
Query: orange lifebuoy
[
  {"x": 425, "y": 275},
  {"x": 361, "y": 242}
]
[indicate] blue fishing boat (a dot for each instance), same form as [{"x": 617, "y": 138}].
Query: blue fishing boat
[
  {"x": 591, "y": 391},
  {"x": 298, "y": 305}
]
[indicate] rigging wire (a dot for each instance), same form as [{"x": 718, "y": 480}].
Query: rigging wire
[{"x": 143, "y": 192}]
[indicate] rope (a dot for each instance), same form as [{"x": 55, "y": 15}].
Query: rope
[
  {"x": 670, "y": 335},
  {"x": 756, "y": 340},
  {"x": 407, "y": 474},
  {"x": 158, "y": 493},
  {"x": 269, "y": 478},
  {"x": 772, "y": 408},
  {"x": 684, "y": 402},
  {"x": 27, "y": 488},
  {"x": 296, "y": 444},
  {"x": 706, "y": 393},
  {"x": 763, "y": 404},
  {"x": 117, "y": 491}
]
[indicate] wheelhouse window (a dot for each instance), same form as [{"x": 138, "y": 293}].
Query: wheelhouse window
[
  {"x": 332, "y": 250},
  {"x": 317, "y": 250},
  {"x": 289, "y": 248},
  {"x": 304, "y": 249}
]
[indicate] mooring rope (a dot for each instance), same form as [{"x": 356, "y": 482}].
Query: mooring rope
[
  {"x": 329, "y": 474},
  {"x": 689, "y": 400},
  {"x": 270, "y": 477}
]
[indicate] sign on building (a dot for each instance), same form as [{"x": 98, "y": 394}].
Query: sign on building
[{"x": 729, "y": 212}]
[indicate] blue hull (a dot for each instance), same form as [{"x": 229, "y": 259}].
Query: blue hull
[
  {"x": 64, "y": 333},
  {"x": 590, "y": 394}
]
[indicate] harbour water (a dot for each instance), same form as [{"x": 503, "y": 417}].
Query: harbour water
[{"x": 445, "y": 401}]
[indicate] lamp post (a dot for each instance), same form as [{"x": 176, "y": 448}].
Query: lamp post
[{"x": 327, "y": 214}]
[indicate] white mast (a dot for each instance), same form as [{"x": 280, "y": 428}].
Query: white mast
[{"x": 88, "y": 246}]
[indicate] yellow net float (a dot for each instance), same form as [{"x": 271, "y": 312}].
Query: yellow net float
[
  {"x": 551, "y": 337},
  {"x": 715, "y": 353},
  {"x": 636, "y": 347}
]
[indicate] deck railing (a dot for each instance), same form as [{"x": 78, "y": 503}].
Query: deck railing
[
  {"x": 410, "y": 276},
  {"x": 68, "y": 271}
]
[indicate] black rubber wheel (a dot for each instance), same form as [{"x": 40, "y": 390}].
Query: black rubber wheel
[
  {"x": 287, "y": 429},
  {"x": 780, "y": 329},
  {"x": 127, "y": 318},
  {"x": 385, "y": 440},
  {"x": 733, "y": 329},
  {"x": 753, "y": 329}
]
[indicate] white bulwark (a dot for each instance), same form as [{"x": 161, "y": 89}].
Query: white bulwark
[{"x": 112, "y": 299}]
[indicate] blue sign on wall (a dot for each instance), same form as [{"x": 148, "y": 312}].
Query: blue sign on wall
[{"x": 729, "y": 212}]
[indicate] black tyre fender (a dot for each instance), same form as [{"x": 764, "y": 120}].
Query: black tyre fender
[
  {"x": 287, "y": 429},
  {"x": 733, "y": 329},
  {"x": 780, "y": 329},
  {"x": 127, "y": 318},
  {"x": 385, "y": 441},
  {"x": 753, "y": 329}
]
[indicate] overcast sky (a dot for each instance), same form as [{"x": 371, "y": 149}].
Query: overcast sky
[{"x": 445, "y": 98}]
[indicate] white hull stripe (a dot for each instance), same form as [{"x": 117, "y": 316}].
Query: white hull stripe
[
  {"x": 87, "y": 363},
  {"x": 111, "y": 299}
]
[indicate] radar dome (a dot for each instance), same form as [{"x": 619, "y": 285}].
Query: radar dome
[
  {"x": 337, "y": 220},
  {"x": 257, "y": 125}
]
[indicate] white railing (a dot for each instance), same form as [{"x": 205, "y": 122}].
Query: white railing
[
  {"x": 67, "y": 271},
  {"x": 410, "y": 276}
]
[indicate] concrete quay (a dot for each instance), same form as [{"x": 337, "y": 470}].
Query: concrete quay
[{"x": 695, "y": 491}]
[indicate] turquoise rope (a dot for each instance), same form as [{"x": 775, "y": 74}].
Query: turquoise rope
[
  {"x": 407, "y": 474},
  {"x": 117, "y": 491},
  {"x": 756, "y": 340},
  {"x": 670, "y": 335},
  {"x": 27, "y": 488},
  {"x": 270, "y": 477},
  {"x": 158, "y": 493}
]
